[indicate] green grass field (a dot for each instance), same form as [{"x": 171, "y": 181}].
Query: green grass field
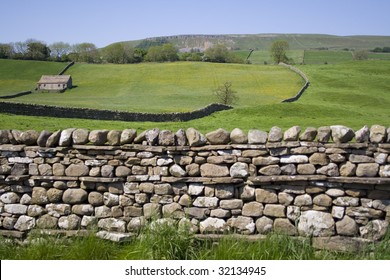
[
  {"x": 324, "y": 57},
  {"x": 166, "y": 87},
  {"x": 264, "y": 57},
  {"x": 352, "y": 93}
]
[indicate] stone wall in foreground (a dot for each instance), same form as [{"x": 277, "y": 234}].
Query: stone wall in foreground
[{"x": 330, "y": 181}]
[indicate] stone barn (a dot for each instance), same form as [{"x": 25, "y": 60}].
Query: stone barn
[{"x": 54, "y": 83}]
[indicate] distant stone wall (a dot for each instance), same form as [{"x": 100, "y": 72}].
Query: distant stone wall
[
  {"x": 305, "y": 86},
  {"x": 94, "y": 114},
  {"x": 330, "y": 182}
]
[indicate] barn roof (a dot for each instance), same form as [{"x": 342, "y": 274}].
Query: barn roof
[{"x": 54, "y": 79}]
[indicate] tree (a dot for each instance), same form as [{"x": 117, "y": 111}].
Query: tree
[
  {"x": 278, "y": 51},
  {"x": 6, "y": 51},
  {"x": 85, "y": 52},
  {"x": 37, "y": 51},
  {"x": 59, "y": 50},
  {"x": 360, "y": 55},
  {"x": 220, "y": 54},
  {"x": 166, "y": 52},
  {"x": 225, "y": 94}
]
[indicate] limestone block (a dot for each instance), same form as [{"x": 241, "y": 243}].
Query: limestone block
[
  {"x": 39, "y": 196},
  {"x": 218, "y": 137},
  {"x": 316, "y": 223},
  {"x": 112, "y": 224},
  {"x": 257, "y": 136},
  {"x": 231, "y": 204},
  {"x": 243, "y": 225},
  {"x": 367, "y": 170},
  {"x": 193, "y": 170},
  {"x": 237, "y": 136},
  {"x": 95, "y": 198},
  {"x": 270, "y": 170},
  {"x": 322, "y": 200},
  {"x": 284, "y": 226},
  {"x": 384, "y": 171},
  {"x": 265, "y": 160},
  {"x": 74, "y": 196},
  {"x": 377, "y": 134},
  {"x": 151, "y": 136},
  {"x": 323, "y": 134},
  {"x": 293, "y": 213},
  {"x": 195, "y": 138},
  {"x": 163, "y": 189},
  {"x": 239, "y": 170},
  {"x": 294, "y": 159},
  {"x": 102, "y": 211},
  {"x": 348, "y": 169},
  {"x": 213, "y": 225},
  {"x": 54, "y": 195},
  {"x": 220, "y": 213},
  {"x": 347, "y": 226},
  {"x": 306, "y": 169},
  {"x": 319, "y": 159},
  {"x": 285, "y": 198},
  {"x": 266, "y": 196},
  {"x": 98, "y": 137},
  {"x": 53, "y": 139},
  {"x": 57, "y": 210},
  {"x": 152, "y": 210},
  {"x": 15, "y": 209},
  {"x": 80, "y": 136},
  {"x": 9, "y": 198},
  {"x": 252, "y": 209},
  {"x": 177, "y": 171},
  {"x": 122, "y": 171},
  {"x": 342, "y": 134},
  {"x": 181, "y": 139},
  {"x": 128, "y": 136},
  {"x": 275, "y": 134},
  {"x": 71, "y": 222},
  {"x": 42, "y": 139},
  {"x": 309, "y": 134},
  {"x": 77, "y": 170},
  {"x": 292, "y": 134},
  {"x": 29, "y": 137},
  {"x": 66, "y": 137},
  {"x": 331, "y": 170},
  {"x": 89, "y": 221},
  {"x": 303, "y": 200},
  {"x": 206, "y": 202},
  {"x": 375, "y": 230},
  {"x": 288, "y": 169},
  {"x": 83, "y": 209},
  {"x": 166, "y": 138},
  {"x": 362, "y": 135},
  {"x": 264, "y": 225},
  {"x": 47, "y": 222},
  {"x": 213, "y": 170},
  {"x": 275, "y": 210}
]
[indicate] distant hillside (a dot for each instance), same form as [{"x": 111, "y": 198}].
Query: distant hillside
[{"x": 263, "y": 41}]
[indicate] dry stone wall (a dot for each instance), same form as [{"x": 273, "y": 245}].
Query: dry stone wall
[{"x": 320, "y": 182}]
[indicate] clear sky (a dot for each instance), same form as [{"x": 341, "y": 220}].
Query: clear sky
[{"x": 107, "y": 21}]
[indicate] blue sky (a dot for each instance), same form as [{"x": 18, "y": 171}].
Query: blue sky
[{"x": 104, "y": 22}]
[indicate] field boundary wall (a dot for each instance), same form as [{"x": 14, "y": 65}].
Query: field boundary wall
[
  {"x": 304, "y": 77},
  {"x": 331, "y": 183}
]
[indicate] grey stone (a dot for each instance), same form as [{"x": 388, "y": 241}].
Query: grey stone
[
  {"x": 89, "y": 221},
  {"x": 151, "y": 136},
  {"x": 4, "y": 139},
  {"x": 206, "y": 202},
  {"x": 237, "y": 136},
  {"x": 265, "y": 160},
  {"x": 71, "y": 222},
  {"x": 16, "y": 209},
  {"x": 303, "y": 200},
  {"x": 316, "y": 223},
  {"x": 360, "y": 159},
  {"x": 128, "y": 136},
  {"x": 224, "y": 191},
  {"x": 322, "y": 200},
  {"x": 380, "y": 158},
  {"x": 294, "y": 159},
  {"x": 239, "y": 170},
  {"x": 5, "y": 169},
  {"x": 335, "y": 192},
  {"x": 53, "y": 139},
  {"x": 195, "y": 189},
  {"x": 66, "y": 137},
  {"x": 319, "y": 159},
  {"x": 102, "y": 211},
  {"x": 213, "y": 225},
  {"x": 285, "y": 198},
  {"x": 284, "y": 226},
  {"x": 247, "y": 193},
  {"x": 163, "y": 189},
  {"x": 243, "y": 225},
  {"x": 24, "y": 223},
  {"x": 338, "y": 212},
  {"x": 77, "y": 170},
  {"x": 83, "y": 209},
  {"x": 266, "y": 196},
  {"x": 110, "y": 199},
  {"x": 140, "y": 138},
  {"x": 342, "y": 134},
  {"x": 197, "y": 213},
  {"x": 10, "y": 198},
  {"x": 252, "y": 209},
  {"x": 122, "y": 171},
  {"x": 231, "y": 204},
  {"x": 377, "y": 134},
  {"x": 367, "y": 170},
  {"x": 45, "y": 170},
  {"x": 98, "y": 137},
  {"x": 264, "y": 225},
  {"x": 47, "y": 222},
  {"x": 218, "y": 137},
  {"x": 323, "y": 134},
  {"x": 288, "y": 169},
  {"x": 19, "y": 169},
  {"x": 181, "y": 139},
  {"x": 306, "y": 169},
  {"x": 80, "y": 136},
  {"x": 348, "y": 169},
  {"x": 364, "y": 212},
  {"x": 275, "y": 134},
  {"x": 173, "y": 210},
  {"x": 257, "y": 137},
  {"x": 213, "y": 170},
  {"x": 112, "y": 224},
  {"x": 362, "y": 135},
  {"x": 195, "y": 138},
  {"x": 29, "y": 137},
  {"x": 114, "y": 137},
  {"x": 25, "y": 199},
  {"x": 346, "y": 201},
  {"x": 177, "y": 171},
  {"x": 42, "y": 139},
  {"x": 166, "y": 138},
  {"x": 270, "y": 170},
  {"x": 39, "y": 196},
  {"x": 331, "y": 170},
  {"x": 292, "y": 134},
  {"x": 136, "y": 224},
  {"x": 220, "y": 213},
  {"x": 95, "y": 198},
  {"x": 384, "y": 171},
  {"x": 309, "y": 134},
  {"x": 347, "y": 226},
  {"x": 57, "y": 210},
  {"x": 107, "y": 171},
  {"x": 293, "y": 213},
  {"x": 375, "y": 230},
  {"x": 275, "y": 210},
  {"x": 54, "y": 195},
  {"x": 74, "y": 196},
  {"x": 152, "y": 210}
]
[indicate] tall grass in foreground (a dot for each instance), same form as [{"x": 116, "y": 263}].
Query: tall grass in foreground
[{"x": 167, "y": 242}]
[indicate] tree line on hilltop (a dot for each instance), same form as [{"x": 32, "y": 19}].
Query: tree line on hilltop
[{"x": 118, "y": 53}]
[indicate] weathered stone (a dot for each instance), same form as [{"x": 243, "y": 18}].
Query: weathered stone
[
  {"x": 16, "y": 209},
  {"x": 384, "y": 171},
  {"x": 294, "y": 159},
  {"x": 98, "y": 137},
  {"x": 71, "y": 222},
  {"x": 367, "y": 170},
  {"x": 379, "y": 194},
  {"x": 293, "y": 213},
  {"x": 47, "y": 222},
  {"x": 239, "y": 170},
  {"x": 163, "y": 189},
  {"x": 252, "y": 209},
  {"x": 132, "y": 211},
  {"x": 114, "y": 137},
  {"x": 89, "y": 222},
  {"x": 29, "y": 137},
  {"x": 377, "y": 134},
  {"x": 151, "y": 136},
  {"x": 45, "y": 170},
  {"x": 206, "y": 202},
  {"x": 362, "y": 135},
  {"x": 257, "y": 137},
  {"x": 265, "y": 160},
  {"x": 316, "y": 223},
  {"x": 337, "y": 158},
  {"x": 39, "y": 196},
  {"x": 322, "y": 200},
  {"x": 197, "y": 213},
  {"x": 80, "y": 136},
  {"x": 177, "y": 171},
  {"x": 346, "y": 201},
  {"x": 185, "y": 200},
  {"x": 53, "y": 139},
  {"x": 309, "y": 134},
  {"x": 331, "y": 170},
  {"x": 275, "y": 210},
  {"x": 195, "y": 138},
  {"x": 319, "y": 159},
  {"x": 66, "y": 137},
  {"x": 237, "y": 136},
  {"x": 25, "y": 199},
  {"x": 375, "y": 230},
  {"x": 266, "y": 196},
  {"x": 173, "y": 210},
  {"x": 136, "y": 224},
  {"x": 42, "y": 139},
  {"x": 284, "y": 226},
  {"x": 54, "y": 195},
  {"x": 83, "y": 209},
  {"x": 306, "y": 169},
  {"x": 364, "y": 212},
  {"x": 193, "y": 170},
  {"x": 152, "y": 210},
  {"x": 95, "y": 198},
  {"x": 19, "y": 169},
  {"x": 270, "y": 170},
  {"x": 231, "y": 204},
  {"x": 247, "y": 193},
  {"x": 4, "y": 138},
  {"x": 338, "y": 212},
  {"x": 218, "y": 137},
  {"x": 112, "y": 224},
  {"x": 166, "y": 138},
  {"x": 5, "y": 169},
  {"x": 195, "y": 189},
  {"x": 335, "y": 192},
  {"x": 110, "y": 199},
  {"x": 292, "y": 133},
  {"x": 288, "y": 169},
  {"x": 264, "y": 225},
  {"x": 348, "y": 169},
  {"x": 275, "y": 134},
  {"x": 74, "y": 196},
  {"x": 342, "y": 134},
  {"x": 285, "y": 198},
  {"x": 224, "y": 191},
  {"x": 77, "y": 170},
  {"x": 128, "y": 136},
  {"x": 122, "y": 171},
  {"x": 9, "y": 198},
  {"x": 220, "y": 213},
  {"x": 323, "y": 134},
  {"x": 212, "y": 170},
  {"x": 181, "y": 139},
  {"x": 347, "y": 226},
  {"x": 360, "y": 159},
  {"x": 213, "y": 225},
  {"x": 243, "y": 225},
  {"x": 303, "y": 200},
  {"x": 57, "y": 210}
]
